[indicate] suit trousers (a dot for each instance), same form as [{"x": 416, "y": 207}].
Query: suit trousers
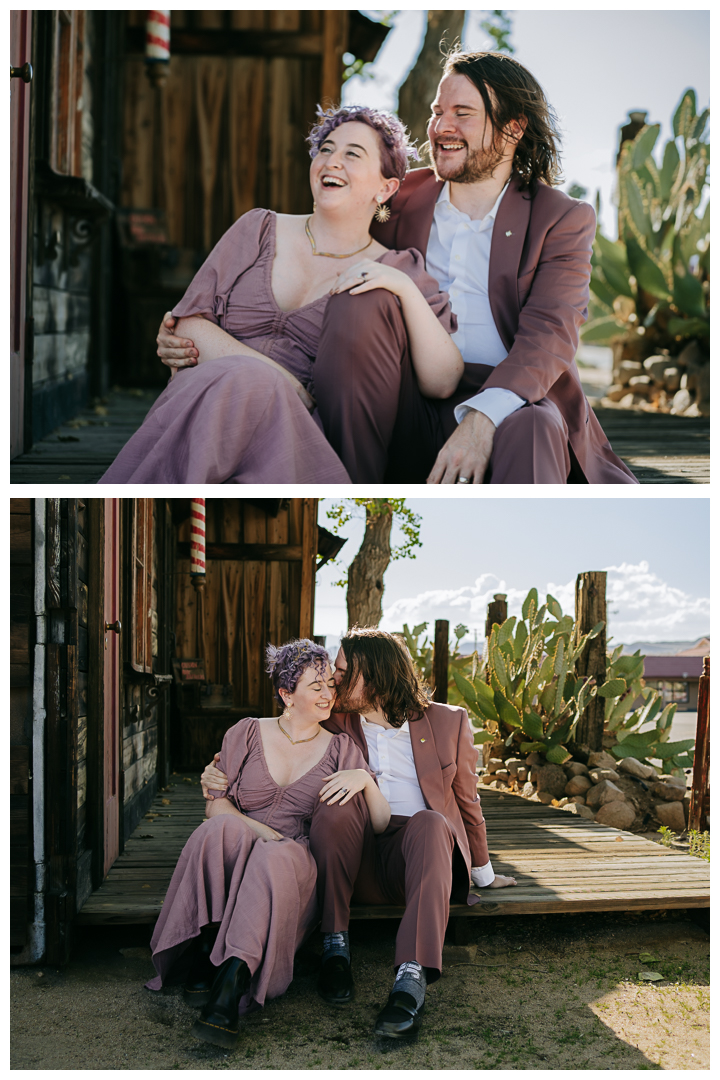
[
  {"x": 410, "y": 864},
  {"x": 363, "y": 381},
  {"x": 381, "y": 426}
]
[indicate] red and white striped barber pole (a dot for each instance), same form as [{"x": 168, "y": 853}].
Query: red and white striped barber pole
[
  {"x": 197, "y": 569},
  {"x": 157, "y": 45},
  {"x": 197, "y": 537}
]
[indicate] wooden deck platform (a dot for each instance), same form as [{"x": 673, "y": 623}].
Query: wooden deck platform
[
  {"x": 660, "y": 449},
  {"x": 80, "y": 451},
  {"x": 562, "y": 864}
]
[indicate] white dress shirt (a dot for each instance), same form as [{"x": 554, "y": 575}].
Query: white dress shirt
[
  {"x": 390, "y": 756},
  {"x": 458, "y": 256}
]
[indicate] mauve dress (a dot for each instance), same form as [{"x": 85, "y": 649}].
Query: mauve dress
[
  {"x": 262, "y": 892},
  {"x": 236, "y": 420}
]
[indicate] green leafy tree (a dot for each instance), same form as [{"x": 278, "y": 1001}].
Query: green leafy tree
[
  {"x": 365, "y": 575},
  {"x": 498, "y": 25}
]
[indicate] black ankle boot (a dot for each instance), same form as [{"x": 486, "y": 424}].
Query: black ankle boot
[
  {"x": 218, "y": 1022},
  {"x": 202, "y": 973}
]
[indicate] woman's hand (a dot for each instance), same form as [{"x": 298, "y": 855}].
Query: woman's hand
[
  {"x": 340, "y": 787},
  {"x": 212, "y": 779},
  {"x": 437, "y": 361},
  {"x": 367, "y": 275},
  {"x": 175, "y": 352}
]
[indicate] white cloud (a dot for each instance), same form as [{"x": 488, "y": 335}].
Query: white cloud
[{"x": 641, "y": 606}]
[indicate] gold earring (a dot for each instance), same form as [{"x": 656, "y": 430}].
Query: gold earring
[
  {"x": 314, "y": 206},
  {"x": 382, "y": 213}
]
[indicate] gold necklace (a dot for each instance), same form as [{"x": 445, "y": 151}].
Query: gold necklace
[
  {"x": 296, "y": 741},
  {"x": 329, "y": 254}
]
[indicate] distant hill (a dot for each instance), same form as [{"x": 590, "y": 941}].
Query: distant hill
[{"x": 698, "y": 647}]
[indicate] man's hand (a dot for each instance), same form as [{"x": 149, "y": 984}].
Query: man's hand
[
  {"x": 213, "y": 779},
  {"x": 500, "y": 882},
  {"x": 174, "y": 352},
  {"x": 467, "y": 451},
  {"x": 262, "y": 830}
]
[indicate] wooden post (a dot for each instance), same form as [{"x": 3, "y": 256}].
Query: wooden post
[
  {"x": 440, "y": 660},
  {"x": 700, "y": 795},
  {"x": 496, "y": 612},
  {"x": 590, "y": 609},
  {"x": 307, "y": 578},
  {"x": 335, "y": 41}
]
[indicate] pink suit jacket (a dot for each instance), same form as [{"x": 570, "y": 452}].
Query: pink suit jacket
[
  {"x": 445, "y": 760},
  {"x": 539, "y": 286}
]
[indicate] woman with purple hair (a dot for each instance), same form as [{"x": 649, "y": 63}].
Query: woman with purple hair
[
  {"x": 310, "y": 339},
  {"x": 243, "y": 895}
]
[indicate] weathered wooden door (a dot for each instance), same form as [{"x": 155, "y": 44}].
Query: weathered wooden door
[
  {"x": 111, "y": 686},
  {"x": 20, "y": 52}
]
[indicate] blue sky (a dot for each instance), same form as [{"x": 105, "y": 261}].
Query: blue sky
[
  {"x": 594, "y": 67},
  {"x": 656, "y": 552}
]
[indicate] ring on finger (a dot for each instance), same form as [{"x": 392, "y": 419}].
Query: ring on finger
[
  {"x": 364, "y": 275},
  {"x": 345, "y": 790},
  {"x": 463, "y": 480}
]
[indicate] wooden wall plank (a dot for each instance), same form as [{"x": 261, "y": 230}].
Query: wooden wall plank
[
  {"x": 21, "y": 538},
  {"x": 138, "y": 137},
  {"x": 245, "y": 125},
  {"x": 211, "y": 79},
  {"x": 176, "y": 116},
  {"x": 19, "y": 770}
]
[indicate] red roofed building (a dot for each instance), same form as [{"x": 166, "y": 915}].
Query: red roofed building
[{"x": 677, "y": 677}]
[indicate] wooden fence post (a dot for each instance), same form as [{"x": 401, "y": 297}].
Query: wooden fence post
[
  {"x": 699, "y": 795},
  {"x": 440, "y": 660},
  {"x": 590, "y": 609},
  {"x": 496, "y": 612}
]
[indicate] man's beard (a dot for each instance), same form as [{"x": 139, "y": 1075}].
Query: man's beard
[
  {"x": 478, "y": 165},
  {"x": 348, "y": 702}
]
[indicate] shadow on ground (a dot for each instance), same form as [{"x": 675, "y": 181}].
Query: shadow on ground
[{"x": 527, "y": 992}]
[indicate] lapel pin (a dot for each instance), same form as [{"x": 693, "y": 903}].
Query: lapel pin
[
  {"x": 509, "y": 232},
  {"x": 422, "y": 740}
]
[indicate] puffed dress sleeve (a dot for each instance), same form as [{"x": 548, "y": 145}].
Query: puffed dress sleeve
[
  {"x": 349, "y": 755},
  {"x": 233, "y": 755},
  {"x": 411, "y": 262},
  {"x": 235, "y": 252}
]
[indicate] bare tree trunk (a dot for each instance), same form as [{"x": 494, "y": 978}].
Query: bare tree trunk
[
  {"x": 365, "y": 574},
  {"x": 418, "y": 90}
]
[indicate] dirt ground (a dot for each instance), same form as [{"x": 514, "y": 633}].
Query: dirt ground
[{"x": 528, "y": 992}]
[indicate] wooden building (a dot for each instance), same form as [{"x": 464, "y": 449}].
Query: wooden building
[
  {"x": 122, "y": 671},
  {"x": 120, "y": 186}
]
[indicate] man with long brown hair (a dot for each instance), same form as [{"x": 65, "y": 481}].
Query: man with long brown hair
[
  {"x": 435, "y": 846},
  {"x": 514, "y": 254}
]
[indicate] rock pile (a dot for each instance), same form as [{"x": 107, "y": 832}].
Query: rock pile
[
  {"x": 623, "y": 794},
  {"x": 679, "y": 384}
]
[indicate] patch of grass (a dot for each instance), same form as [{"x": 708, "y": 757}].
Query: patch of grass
[{"x": 699, "y": 844}]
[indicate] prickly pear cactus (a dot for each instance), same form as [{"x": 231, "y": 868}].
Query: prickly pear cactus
[
  {"x": 650, "y": 288},
  {"x": 528, "y": 689}
]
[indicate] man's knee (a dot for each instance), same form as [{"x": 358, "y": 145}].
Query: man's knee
[
  {"x": 332, "y": 825},
  {"x": 430, "y": 825},
  {"x": 541, "y": 416},
  {"x": 352, "y": 322}
]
